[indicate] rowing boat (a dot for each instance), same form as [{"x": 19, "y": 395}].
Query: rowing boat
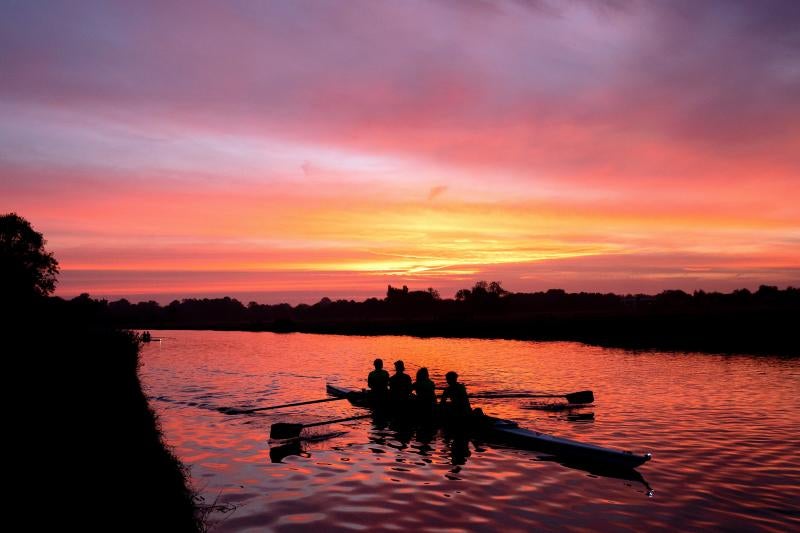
[{"x": 508, "y": 432}]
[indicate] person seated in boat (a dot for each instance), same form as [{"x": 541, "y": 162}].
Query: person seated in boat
[
  {"x": 425, "y": 390},
  {"x": 399, "y": 387},
  {"x": 455, "y": 401},
  {"x": 378, "y": 382}
]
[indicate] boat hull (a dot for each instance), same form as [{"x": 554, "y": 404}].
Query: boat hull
[{"x": 509, "y": 433}]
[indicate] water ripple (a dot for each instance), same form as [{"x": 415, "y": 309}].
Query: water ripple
[{"x": 723, "y": 430}]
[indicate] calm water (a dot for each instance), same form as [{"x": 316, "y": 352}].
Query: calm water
[{"x": 724, "y": 432}]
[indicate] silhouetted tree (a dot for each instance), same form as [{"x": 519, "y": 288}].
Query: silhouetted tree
[
  {"x": 496, "y": 289},
  {"x": 407, "y": 300},
  {"x": 26, "y": 269},
  {"x": 393, "y": 294},
  {"x": 480, "y": 287},
  {"x": 484, "y": 292}
]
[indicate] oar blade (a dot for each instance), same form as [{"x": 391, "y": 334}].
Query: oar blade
[
  {"x": 285, "y": 430},
  {"x": 584, "y": 396}
]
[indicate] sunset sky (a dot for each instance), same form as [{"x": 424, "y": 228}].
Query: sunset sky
[{"x": 285, "y": 151}]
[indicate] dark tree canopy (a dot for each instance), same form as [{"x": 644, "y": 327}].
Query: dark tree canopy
[{"x": 26, "y": 268}]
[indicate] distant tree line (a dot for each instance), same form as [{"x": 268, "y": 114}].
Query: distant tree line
[
  {"x": 743, "y": 321},
  {"x": 485, "y": 300}
]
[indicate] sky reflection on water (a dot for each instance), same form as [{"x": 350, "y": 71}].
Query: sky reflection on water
[{"x": 722, "y": 430}]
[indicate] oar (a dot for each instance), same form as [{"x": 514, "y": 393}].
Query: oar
[
  {"x": 287, "y": 430},
  {"x": 235, "y": 411},
  {"x": 584, "y": 396}
]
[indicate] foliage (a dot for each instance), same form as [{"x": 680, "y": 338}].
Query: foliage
[
  {"x": 26, "y": 269},
  {"x": 482, "y": 292}
]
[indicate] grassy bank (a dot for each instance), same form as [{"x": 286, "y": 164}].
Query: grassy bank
[{"x": 94, "y": 457}]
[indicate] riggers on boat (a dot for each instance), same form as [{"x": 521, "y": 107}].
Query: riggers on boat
[{"x": 508, "y": 432}]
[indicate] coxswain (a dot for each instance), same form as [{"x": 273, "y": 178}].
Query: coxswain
[{"x": 455, "y": 400}]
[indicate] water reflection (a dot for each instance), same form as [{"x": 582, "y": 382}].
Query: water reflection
[
  {"x": 576, "y": 417},
  {"x": 723, "y": 431},
  {"x": 455, "y": 446},
  {"x": 279, "y": 449},
  {"x": 626, "y": 474},
  {"x": 279, "y": 452},
  {"x": 459, "y": 451}
]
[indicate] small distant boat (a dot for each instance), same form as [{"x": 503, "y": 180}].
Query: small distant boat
[{"x": 508, "y": 432}]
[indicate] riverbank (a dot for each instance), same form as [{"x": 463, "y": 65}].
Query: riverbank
[
  {"x": 747, "y": 333},
  {"x": 90, "y": 447},
  {"x": 754, "y": 333}
]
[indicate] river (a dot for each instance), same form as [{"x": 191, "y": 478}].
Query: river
[{"x": 724, "y": 432}]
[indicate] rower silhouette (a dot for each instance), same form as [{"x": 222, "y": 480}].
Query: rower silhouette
[
  {"x": 455, "y": 402},
  {"x": 399, "y": 389},
  {"x": 425, "y": 399},
  {"x": 378, "y": 382}
]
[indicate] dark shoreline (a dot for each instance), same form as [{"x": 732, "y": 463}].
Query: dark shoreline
[
  {"x": 761, "y": 333},
  {"x": 90, "y": 443},
  {"x": 761, "y": 322}
]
